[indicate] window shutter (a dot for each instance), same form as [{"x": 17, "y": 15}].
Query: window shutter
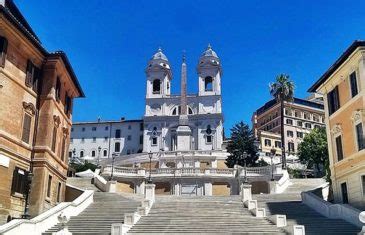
[
  {"x": 29, "y": 74},
  {"x": 36, "y": 78},
  {"x": 26, "y": 128},
  {"x": 3, "y": 50}
]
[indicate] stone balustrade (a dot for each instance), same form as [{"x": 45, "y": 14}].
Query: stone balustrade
[{"x": 168, "y": 172}]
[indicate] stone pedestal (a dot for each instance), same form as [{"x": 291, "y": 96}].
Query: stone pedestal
[
  {"x": 150, "y": 192},
  {"x": 112, "y": 186},
  {"x": 183, "y": 132},
  {"x": 246, "y": 192},
  {"x": 208, "y": 189}
]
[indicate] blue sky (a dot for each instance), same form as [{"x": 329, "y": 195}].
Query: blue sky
[{"x": 109, "y": 43}]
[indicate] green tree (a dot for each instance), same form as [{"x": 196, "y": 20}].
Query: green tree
[
  {"x": 241, "y": 144},
  {"x": 313, "y": 151},
  {"x": 283, "y": 91}
]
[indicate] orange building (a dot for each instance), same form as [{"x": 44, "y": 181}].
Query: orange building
[
  {"x": 343, "y": 87},
  {"x": 36, "y": 93}
]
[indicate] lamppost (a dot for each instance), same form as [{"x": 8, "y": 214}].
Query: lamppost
[
  {"x": 29, "y": 179},
  {"x": 98, "y": 160},
  {"x": 273, "y": 152},
  {"x": 244, "y": 157},
  {"x": 73, "y": 155},
  {"x": 113, "y": 159},
  {"x": 149, "y": 181}
]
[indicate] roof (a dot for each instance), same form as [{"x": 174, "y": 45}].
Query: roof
[
  {"x": 107, "y": 122},
  {"x": 69, "y": 68},
  {"x": 12, "y": 13},
  {"x": 159, "y": 55},
  {"x": 337, "y": 64},
  {"x": 209, "y": 52},
  {"x": 299, "y": 101}
]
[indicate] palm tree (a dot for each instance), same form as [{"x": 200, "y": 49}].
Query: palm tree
[{"x": 283, "y": 91}]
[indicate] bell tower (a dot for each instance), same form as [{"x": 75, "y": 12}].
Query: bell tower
[
  {"x": 159, "y": 76},
  {"x": 209, "y": 72}
]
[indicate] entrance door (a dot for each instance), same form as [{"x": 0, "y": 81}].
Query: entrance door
[
  {"x": 345, "y": 198},
  {"x": 189, "y": 189}
]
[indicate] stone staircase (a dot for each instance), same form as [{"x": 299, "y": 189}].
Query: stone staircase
[
  {"x": 298, "y": 213},
  {"x": 203, "y": 215},
  {"x": 302, "y": 185},
  {"x": 82, "y": 183},
  {"x": 107, "y": 208}
]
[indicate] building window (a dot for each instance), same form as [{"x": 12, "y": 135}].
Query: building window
[
  {"x": 154, "y": 140},
  {"x": 299, "y": 123},
  {"x": 93, "y": 128},
  {"x": 83, "y": 129},
  {"x": 345, "y": 198},
  {"x": 333, "y": 99},
  {"x": 117, "y": 147},
  {"x": 300, "y": 134},
  {"x": 208, "y": 83},
  {"x": 93, "y": 153},
  {"x": 156, "y": 86},
  {"x": 308, "y": 125},
  {"x": 58, "y": 89},
  {"x": 106, "y": 128},
  {"x": 297, "y": 114},
  {"x": 3, "y": 50},
  {"x": 129, "y": 127},
  {"x": 26, "y": 128},
  {"x": 291, "y": 147},
  {"x": 19, "y": 181},
  {"x": 141, "y": 139},
  {"x": 307, "y": 116},
  {"x": 339, "y": 148},
  {"x": 63, "y": 151},
  {"x": 81, "y": 154},
  {"x": 68, "y": 103},
  {"x": 353, "y": 84},
  {"x": 277, "y": 144},
  {"x": 82, "y": 140},
  {"x": 128, "y": 152},
  {"x": 317, "y": 126},
  {"x": 105, "y": 153},
  {"x": 129, "y": 137},
  {"x": 290, "y": 133},
  {"x": 363, "y": 184},
  {"x": 267, "y": 142},
  {"x": 360, "y": 137},
  {"x": 70, "y": 155},
  {"x": 289, "y": 121},
  {"x": 288, "y": 112},
  {"x": 105, "y": 138},
  {"x": 59, "y": 192},
  {"x": 141, "y": 126},
  {"x": 209, "y": 139},
  {"x": 117, "y": 133},
  {"x": 49, "y": 185},
  {"x": 72, "y": 129},
  {"x": 94, "y": 139},
  {"x": 32, "y": 76},
  {"x": 54, "y": 138}
]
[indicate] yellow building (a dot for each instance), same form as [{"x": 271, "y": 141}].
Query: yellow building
[
  {"x": 343, "y": 87},
  {"x": 36, "y": 93}
]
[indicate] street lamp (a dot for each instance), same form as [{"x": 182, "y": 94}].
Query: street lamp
[
  {"x": 244, "y": 156},
  {"x": 149, "y": 181},
  {"x": 113, "y": 159},
  {"x": 98, "y": 160},
  {"x": 273, "y": 152},
  {"x": 73, "y": 155}
]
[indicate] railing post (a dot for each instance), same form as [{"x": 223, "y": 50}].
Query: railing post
[
  {"x": 150, "y": 192},
  {"x": 246, "y": 192}
]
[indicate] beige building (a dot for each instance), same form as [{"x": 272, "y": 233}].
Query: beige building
[
  {"x": 36, "y": 93},
  {"x": 343, "y": 87},
  {"x": 300, "y": 117}
]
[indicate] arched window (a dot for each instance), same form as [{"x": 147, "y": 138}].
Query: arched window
[
  {"x": 105, "y": 153},
  {"x": 81, "y": 153},
  {"x": 93, "y": 153},
  {"x": 3, "y": 49},
  {"x": 208, "y": 81},
  {"x": 156, "y": 86},
  {"x": 177, "y": 111},
  {"x": 209, "y": 137}
]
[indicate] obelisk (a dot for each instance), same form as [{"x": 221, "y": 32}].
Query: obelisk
[{"x": 183, "y": 130}]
